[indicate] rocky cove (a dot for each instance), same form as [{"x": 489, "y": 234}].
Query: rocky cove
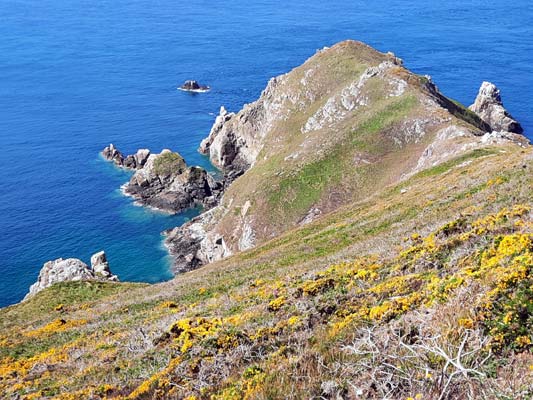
[{"x": 295, "y": 124}]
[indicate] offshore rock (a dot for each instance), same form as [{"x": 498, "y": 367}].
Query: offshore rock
[
  {"x": 193, "y": 86},
  {"x": 488, "y": 105},
  {"x": 72, "y": 269}
]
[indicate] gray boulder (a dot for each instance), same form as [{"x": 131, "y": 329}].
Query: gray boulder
[{"x": 141, "y": 157}]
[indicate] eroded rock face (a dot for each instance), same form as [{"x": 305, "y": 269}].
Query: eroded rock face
[
  {"x": 235, "y": 140},
  {"x": 193, "y": 245},
  {"x": 489, "y": 107},
  {"x": 72, "y": 269},
  {"x": 164, "y": 181}
]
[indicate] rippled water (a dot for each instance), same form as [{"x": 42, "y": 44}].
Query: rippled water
[{"x": 76, "y": 76}]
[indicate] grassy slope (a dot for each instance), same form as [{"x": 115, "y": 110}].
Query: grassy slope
[
  {"x": 337, "y": 164},
  {"x": 307, "y": 314}
]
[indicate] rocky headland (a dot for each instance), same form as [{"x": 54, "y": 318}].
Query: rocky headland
[
  {"x": 375, "y": 118},
  {"x": 295, "y": 125}
]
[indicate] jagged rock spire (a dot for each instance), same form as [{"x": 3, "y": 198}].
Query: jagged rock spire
[{"x": 489, "y": 107}]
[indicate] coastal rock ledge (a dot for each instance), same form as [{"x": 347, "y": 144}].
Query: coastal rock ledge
[{"x": 72, "y": 269}]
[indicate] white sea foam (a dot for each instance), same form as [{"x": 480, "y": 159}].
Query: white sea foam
[{"x": 195, "y": 90}]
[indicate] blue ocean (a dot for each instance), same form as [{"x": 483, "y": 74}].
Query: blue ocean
[{"x": 78, "y": 75}]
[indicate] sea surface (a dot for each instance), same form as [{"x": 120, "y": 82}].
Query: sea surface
[{"x": 78, "y": 75}]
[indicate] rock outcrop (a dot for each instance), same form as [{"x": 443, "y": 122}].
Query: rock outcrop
[
  {"x": 99, "y": 265},
  {"x": 164, "y": 181},
  {"x": 72, "y": 269},
  {"x": 235, "y": 140},
  {"x": 132, "y": 161},
  {"x": 193, "y": 86},
  {"x": 488, "y": 105},
  {"x": 195, "y": 243}
]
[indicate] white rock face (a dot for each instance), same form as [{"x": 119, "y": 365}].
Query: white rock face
[
  {"x": 489, "y": 107},
  {"x": 99, "y": 264},
  {"x": 352, "y": 97},
  {"x": 141, "y": 157},
  {"x": 72, "y": 269},
  {"x": 235, "y": 140},
  {"x": 220, "y": 120}
]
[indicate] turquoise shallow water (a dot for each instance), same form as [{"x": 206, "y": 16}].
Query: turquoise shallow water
[{"x": 79, "y": 75}]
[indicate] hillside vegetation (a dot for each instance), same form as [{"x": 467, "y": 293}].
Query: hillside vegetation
[
  {"x": 337, "y": 129},
  {"x": 423, "y": 290}
]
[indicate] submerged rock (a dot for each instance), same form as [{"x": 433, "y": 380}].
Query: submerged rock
[
  {"x": 72, "y": 269},
  {"x": 488, "y": 105},
  {"x": 193, "y": 86}
]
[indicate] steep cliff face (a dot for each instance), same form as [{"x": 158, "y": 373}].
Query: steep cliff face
[{"x": 347, "y": 123}]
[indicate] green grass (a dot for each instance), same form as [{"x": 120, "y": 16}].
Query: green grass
[
  {"x": 169, "y": 163},
  {"x": 382, "y": 119},
  {"x": 462, "y": 112},
  {"x": 298, "y": 192},
  {"x": 67, "y": 293},
  {"x": 301, "y": 190},
  {"x": 441, "y": 168}
]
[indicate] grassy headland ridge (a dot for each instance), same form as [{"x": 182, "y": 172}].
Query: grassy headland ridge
[{"x": 414, "y": 279}]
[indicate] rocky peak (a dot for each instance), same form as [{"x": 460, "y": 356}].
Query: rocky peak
[
  {"x": 72, "y": 269},
  {"x": 488, "y": 105}
]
